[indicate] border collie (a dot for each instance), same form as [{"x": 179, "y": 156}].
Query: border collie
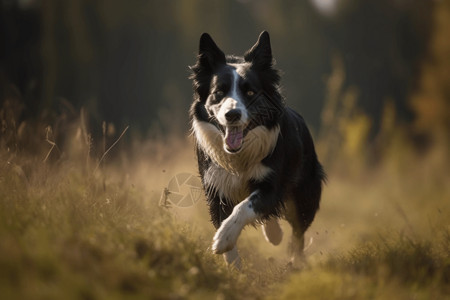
[{"x": 256, "y": 157}]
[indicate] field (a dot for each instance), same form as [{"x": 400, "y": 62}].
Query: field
[
  {"x": 75, "y": 227},
  {"x": 94, "y": 140}
]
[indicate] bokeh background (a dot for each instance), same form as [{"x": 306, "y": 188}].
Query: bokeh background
[
  {"x": 94, "y": 99},
  {"x": 127, "y": 62}
]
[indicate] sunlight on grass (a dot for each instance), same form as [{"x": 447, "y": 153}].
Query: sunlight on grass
[
  {"x": 400, "y": 269},
  {"x": 66, "y": 235},
  {"x": 70, "y": 232}
]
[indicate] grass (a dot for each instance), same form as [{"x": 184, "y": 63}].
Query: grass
[
  {"x": 64, "y": 236},
  {"x": 70, "y": 230},
  {"x": 398, "y": 269}
]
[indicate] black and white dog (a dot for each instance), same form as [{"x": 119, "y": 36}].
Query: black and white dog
[{"x": 256, "y": 157}]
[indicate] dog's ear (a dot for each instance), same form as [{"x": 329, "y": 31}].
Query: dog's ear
[
  {"x": 260, "y": 55},
  {"x": 209, "y": 55}
]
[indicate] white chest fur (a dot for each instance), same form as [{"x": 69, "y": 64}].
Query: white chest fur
[
  {"x": 258, "y": 143},
  {"x": 230, "y": 173},
  {"x": 233, "y": 187}
]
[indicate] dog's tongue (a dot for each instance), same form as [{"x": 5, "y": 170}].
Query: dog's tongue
[{"x": 234, "y": 137}]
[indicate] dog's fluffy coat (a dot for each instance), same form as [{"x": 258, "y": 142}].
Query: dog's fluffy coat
[{"x": 256, "y": 157}]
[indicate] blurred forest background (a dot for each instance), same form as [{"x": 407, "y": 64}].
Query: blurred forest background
[{"x": 126, "y": 62}]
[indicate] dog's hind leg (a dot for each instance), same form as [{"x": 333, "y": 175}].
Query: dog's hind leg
[
  {"x": 294, "y": 217},
  {"x": 300, "y": 214},
  {"x": 297, "y": 246},
  {"x": 272, "y": 231}
]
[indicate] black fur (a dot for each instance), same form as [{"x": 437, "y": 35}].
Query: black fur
[{"x": 293, "y": 189}]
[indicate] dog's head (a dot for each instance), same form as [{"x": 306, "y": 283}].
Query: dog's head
[{"x": 229, "y": 89}]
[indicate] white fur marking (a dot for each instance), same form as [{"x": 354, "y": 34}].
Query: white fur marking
[
  {"x": 232, "y": 102},
  {"x": 226, "y": 236},
  {"x": 272, "y": 231},
  {"x": 231, "y": 186},
  {"x": 227, "y": 105},
  {"x": 234, "y": 88}
]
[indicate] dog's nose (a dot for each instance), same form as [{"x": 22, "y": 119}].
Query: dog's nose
[{"x": 233, "y": 115}]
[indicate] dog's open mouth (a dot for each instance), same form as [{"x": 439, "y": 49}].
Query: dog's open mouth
[{"x": 234, "y": 138}]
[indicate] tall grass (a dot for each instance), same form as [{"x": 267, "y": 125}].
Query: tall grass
[
  {"x": 65, "y": 236},
  {"x": 71, "y": 230}
]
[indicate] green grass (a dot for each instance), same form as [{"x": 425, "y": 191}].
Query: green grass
[{"x": 67, "y": 232}]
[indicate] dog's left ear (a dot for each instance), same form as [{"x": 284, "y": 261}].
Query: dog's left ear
[
  {"x": 260, "y": 55},
  {"x": 209, "y": 55}
]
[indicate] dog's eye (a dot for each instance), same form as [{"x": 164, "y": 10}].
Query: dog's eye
[
  {"x": 250, "y": 93},
  {"x": 219, "y": 93}
]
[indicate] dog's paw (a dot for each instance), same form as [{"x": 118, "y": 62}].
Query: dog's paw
[
  {"x": 273, "y": 232},
  {"x": 232, "y": 259},
  {"x": 228, "y": 233},
  {"x": 226, "y": 237}
]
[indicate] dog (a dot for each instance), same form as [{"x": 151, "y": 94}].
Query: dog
[{"x": 256, "y": 156}]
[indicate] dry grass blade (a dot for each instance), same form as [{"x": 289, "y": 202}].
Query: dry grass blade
[
  {"x": 109, "y": 149},
  {"x": 48, "y": 132}
]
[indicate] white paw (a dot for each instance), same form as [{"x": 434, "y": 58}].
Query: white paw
[{"x": 227, "y": 235}]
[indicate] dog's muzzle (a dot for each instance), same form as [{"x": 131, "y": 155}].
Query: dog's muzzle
[{"x": 234, "y": 131}]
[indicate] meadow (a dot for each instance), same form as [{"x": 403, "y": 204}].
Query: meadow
[
  {"x": 75, "y": 225},
  {"x": 89, "y": 211}
]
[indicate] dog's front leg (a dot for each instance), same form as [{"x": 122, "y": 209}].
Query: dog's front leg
[{"x": 230, "y": 229}]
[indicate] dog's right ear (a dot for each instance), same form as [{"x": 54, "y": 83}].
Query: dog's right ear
[{"x": 209, "y": 55}]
